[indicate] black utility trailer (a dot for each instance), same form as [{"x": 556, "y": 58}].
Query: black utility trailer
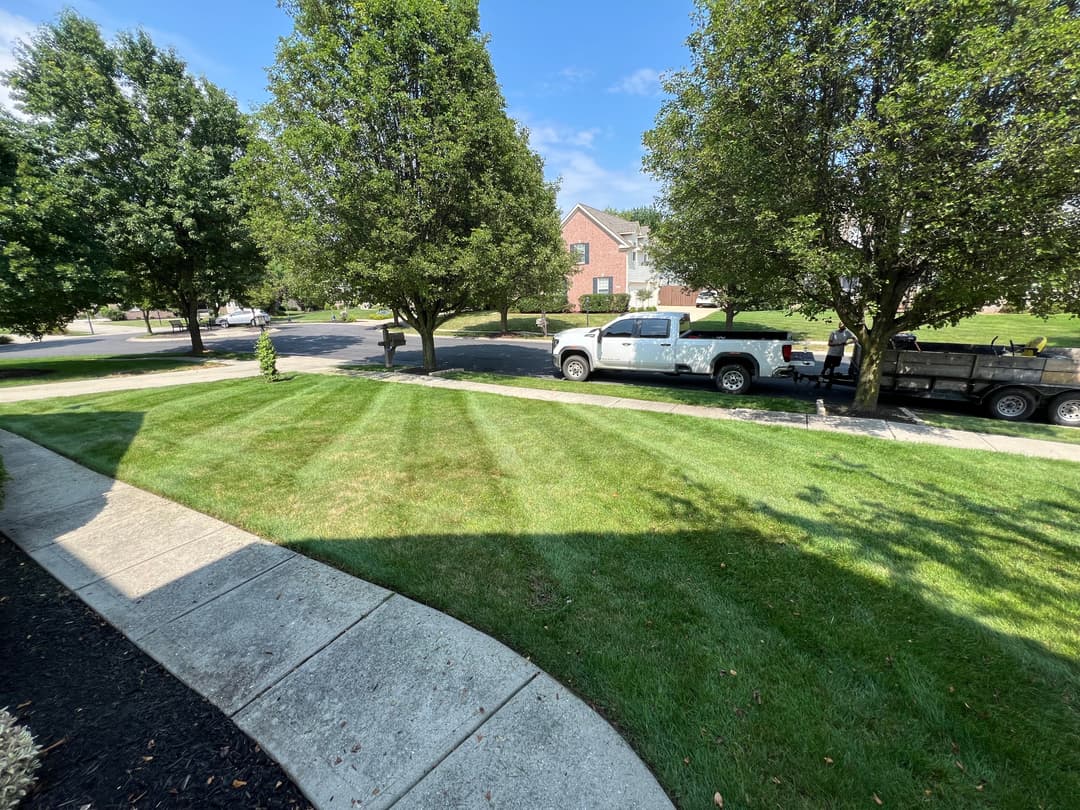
[{"x": 1012, "y": 382}]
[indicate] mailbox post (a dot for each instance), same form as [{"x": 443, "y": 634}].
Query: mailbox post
[{"x": 390, "y": 341}]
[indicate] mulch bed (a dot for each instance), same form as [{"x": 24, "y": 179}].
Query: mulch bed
[{"x": 118, "y": 730}]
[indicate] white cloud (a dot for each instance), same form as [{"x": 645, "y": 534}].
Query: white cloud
[
  {"x": 576, "y": 75},
  {"x": 575, "y": 155},
  {"x": 642, "y": 82},
  {"x": 12, "y": 28}
]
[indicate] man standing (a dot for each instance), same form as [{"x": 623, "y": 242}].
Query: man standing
[{"x": 838, "y": 340}]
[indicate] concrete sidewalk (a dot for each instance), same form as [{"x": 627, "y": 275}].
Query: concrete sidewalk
[{"x": 366, "y": 698}]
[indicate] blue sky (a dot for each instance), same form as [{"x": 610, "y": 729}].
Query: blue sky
[{"x": 582, "y": 76}]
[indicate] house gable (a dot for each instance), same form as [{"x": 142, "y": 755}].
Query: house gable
[{"x": 610, "y": 241}]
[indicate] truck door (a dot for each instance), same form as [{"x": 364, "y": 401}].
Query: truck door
[
  {"x": 617, "y": 345},
  {"x": 655, "y": 346}
]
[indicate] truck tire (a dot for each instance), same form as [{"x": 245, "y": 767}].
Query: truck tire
[
  {"x": 733, "y": 378},
  {"x": 1065, "y": 409},
  {"x": 575, "y": 368},
  {"x": 1012, "y": 404}
]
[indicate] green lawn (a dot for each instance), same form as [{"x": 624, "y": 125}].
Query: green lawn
[
  {"x": 1060, "y": 330},
  {"x": 702, "y": 394},
  {"x": 487, "y": 323},
  {"x": 64, "y": 369},
  {"x": 327, "y": 315},
  {"x": 998, "y": 427},
  {"x": 792, "y": 619}
]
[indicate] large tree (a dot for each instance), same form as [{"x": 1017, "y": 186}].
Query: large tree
[
  {"x": 51, "y": 262},
  {"x": 525, "y": 256},
  {"x": 902, "y": 162},
  {"x": 387, "y": 156},
  {"x": 159, "y": 147}
]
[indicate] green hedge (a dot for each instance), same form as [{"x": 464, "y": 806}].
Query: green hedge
[
  {"x": 550, "y": 304},
  {"x": 605, "y": 302}
]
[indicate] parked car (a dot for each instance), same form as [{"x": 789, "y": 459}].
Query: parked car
[
  {"x": 707, "y": 298},
  {"x": 664, "y": 341},
  {"x": 244, "y": 317}
]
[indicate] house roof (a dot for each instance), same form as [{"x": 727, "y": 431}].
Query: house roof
[{"x": 616, "y": 226}]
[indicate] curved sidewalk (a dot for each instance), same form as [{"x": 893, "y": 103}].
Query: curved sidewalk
[{"x": 366, "y": 698}]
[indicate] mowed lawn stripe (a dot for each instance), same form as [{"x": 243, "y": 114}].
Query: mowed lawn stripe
[{"x": 792, "y": 619}]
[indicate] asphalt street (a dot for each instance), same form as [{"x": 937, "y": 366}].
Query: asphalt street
[{"x": 358, "y": 343}]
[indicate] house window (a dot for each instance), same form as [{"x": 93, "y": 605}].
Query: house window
[
  {"x": 601, "y": 285},
  {"x": 581, "y": 252}
]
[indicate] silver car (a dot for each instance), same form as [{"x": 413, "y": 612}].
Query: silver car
[{"x": 244, "y": 317}]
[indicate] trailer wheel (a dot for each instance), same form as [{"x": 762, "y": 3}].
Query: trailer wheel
[
  {"x": 1013, "y": 404},
  {"x": 1065, "y": 409},
  {"x": 575, "y": 368},
  {"x": 733, "y": 378}
]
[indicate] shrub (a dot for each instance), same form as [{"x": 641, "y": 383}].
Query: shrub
[
  {"x": 114, "y": 314},
  {"x": 267, "y": 354},
  {"x": 605, "y": 302},
  {"x": 18, "y": 761},
  {"x": 537, "y": 304}
]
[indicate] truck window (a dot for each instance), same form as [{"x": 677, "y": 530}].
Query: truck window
[
  {"x": 655, "y": 328},
  {"x": 624, "y": 328},
  {"x": 684, "y": 324}
]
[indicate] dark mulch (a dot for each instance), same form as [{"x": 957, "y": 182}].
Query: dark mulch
[{"x": 119, "y": 730}]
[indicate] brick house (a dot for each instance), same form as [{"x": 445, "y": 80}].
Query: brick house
[{"x": 612, "y": 256}]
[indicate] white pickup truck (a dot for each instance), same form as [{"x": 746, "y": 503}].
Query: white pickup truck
[{"x": 664, "y": 342}]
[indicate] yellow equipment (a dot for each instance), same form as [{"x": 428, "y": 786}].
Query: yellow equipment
[{"x": 1034, "y": 346}]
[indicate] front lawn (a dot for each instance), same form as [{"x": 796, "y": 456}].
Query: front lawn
[
  {"x": 791, "y": 619},
  {"x": 66, "y": 369},
  {"x": 701, "y": 393},
  {"x": 330, "y": 315}
]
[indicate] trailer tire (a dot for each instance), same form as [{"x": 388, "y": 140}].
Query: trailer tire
[
  {"x": 733, "y": 378},
  {"x": 1013, "y": 404},
  {"x": 575, "y": 367},
  {"x": 1065, "y": 409}
]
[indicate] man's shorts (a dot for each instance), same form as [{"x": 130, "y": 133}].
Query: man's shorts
[{"x": 832, "y": 361}]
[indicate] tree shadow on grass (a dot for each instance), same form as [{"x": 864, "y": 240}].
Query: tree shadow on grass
[{"x": 788, "y": 657}]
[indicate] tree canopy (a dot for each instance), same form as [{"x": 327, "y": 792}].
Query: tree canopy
[
  {"x": 156, "y": 148},
  {"x": 902, "y": 162},
  {"x": 51, "y": 264},
  {"x": 387, "y": 164}
]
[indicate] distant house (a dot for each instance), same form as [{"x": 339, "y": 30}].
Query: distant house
[{"x": 612, "y": 256}]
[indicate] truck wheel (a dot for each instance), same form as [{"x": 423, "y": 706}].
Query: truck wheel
[
  {"x": 733, "y": 379},
  {"x": 1012, "y": 404},
  {"x": 575, "y": 368},
  {"x": 1065, "y": 409}
]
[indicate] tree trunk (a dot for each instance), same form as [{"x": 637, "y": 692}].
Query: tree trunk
[
  {"x": 427, "y": 341},
  {"x": 504, "y": 323},
  {"x": 869, "y": 385},
  {"x": 146, "y": 320},
  {"x": 729, "y": 314},
  {"x": 193, "y": 326}
]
